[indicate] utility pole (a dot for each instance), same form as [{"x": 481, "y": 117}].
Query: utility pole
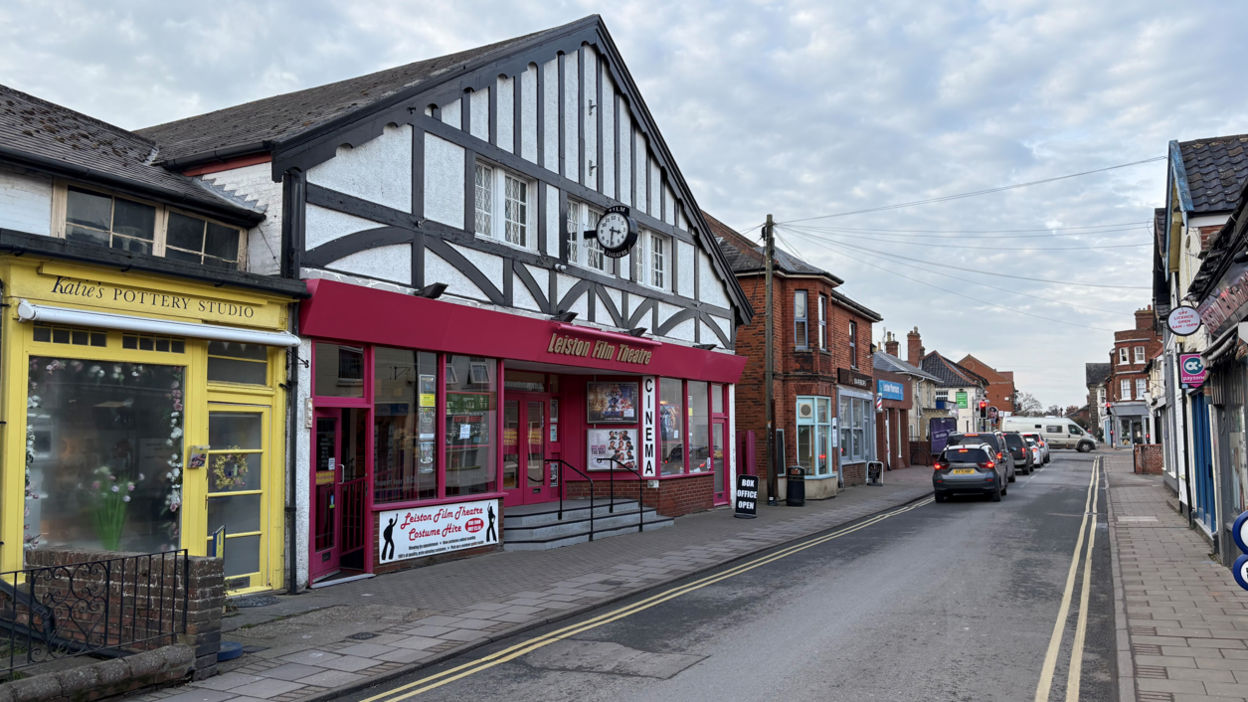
[{"x": 769, "y": 237}]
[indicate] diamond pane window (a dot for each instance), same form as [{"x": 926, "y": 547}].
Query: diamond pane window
[
  {"x": 516, "y": 211},
  {"x": 485, "y": 200}
]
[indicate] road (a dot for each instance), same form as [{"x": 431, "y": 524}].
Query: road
[{"x": 954, "y": 601}]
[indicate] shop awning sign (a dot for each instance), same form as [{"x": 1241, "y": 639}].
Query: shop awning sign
[
  {"x": 890, "y": 390},
  {"x": 1192, "y": 370},
  {"x": 1183, "y": 320}
]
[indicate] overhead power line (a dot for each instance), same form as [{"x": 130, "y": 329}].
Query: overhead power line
[
  {"x": 995, "y": 287},
  {"x": 969, "y": 297},
  {"x": 960, "y": 267},
  {"x": 1124, "y": 226},
  {"x": 951, "y": 236},
  {"x": 813, "y": 233},
  {"x": 976, "y": 193}
]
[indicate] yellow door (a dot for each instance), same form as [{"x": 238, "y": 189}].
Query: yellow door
[{"x": 239, "y": 471}]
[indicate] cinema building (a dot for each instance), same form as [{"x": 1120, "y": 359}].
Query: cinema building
[{"x": 468, "y": 356}]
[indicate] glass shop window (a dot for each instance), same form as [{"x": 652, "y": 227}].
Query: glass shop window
[
  {"x": 699, "y": 427},
  {"x": 232, "y": 362},
  {"x": 471, "y": 415},
  {"x": 103, "y": 455},
  {"x": 671, "y": 426},
  {"x": 405, "y": 410},
  {"x": 339, "y": 370}
]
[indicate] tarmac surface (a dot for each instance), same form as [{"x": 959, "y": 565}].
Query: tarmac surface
[{"x": 954, "y": 601}]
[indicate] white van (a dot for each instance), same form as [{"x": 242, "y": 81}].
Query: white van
[{"x": 1059, "y": 432}]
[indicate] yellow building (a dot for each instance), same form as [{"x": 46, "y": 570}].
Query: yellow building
[
  {"x": 142, "y": 413},
  {"x": 144, "y": 344}
]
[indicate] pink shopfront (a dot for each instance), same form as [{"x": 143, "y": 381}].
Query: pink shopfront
[{"x": 430, "y": 419}]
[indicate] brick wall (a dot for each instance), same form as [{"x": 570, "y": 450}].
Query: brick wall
[
  {"x": 135, "y": 599},
  {"x": 25, "y": 202},
  {"x": 797, "y": 372},
  {"x": 1143, "y": 335},
  {"x": 673, "y": 498},
  {"x": 1148, "y": 459}
]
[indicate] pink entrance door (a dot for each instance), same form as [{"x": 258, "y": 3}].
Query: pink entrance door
[
  {"x": 326, "y": 495},
  {"x": 719, "y": 462},
  {"x": 526, "y": 475}
]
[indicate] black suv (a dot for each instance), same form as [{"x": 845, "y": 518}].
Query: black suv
[
  {"x": 996, "y": 440},
  {"x": 1019, "y": 451}
]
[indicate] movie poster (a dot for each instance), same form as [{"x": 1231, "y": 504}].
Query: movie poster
[
  {"x": 606, "y": 444},
  {"x": 611, "y": 403}
]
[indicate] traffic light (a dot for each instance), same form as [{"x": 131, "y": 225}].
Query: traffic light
[{"x": 983, "y": 408}]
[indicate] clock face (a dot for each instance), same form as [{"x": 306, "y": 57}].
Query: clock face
[{"x": 613, "y": 231}]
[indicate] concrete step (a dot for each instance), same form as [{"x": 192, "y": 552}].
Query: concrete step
[
  {"x": 531, "y": 516},
  {"x": 570, "y": 526},
  {"x": 580, "y": 538}
]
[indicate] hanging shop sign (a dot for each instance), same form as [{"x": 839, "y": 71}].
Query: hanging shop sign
[
  {"x": 428, "y": 531},
  {"x": 1183, "y": 320},
  {"x": 1192, "y": 371},
  {"x": 1226, "y": 301},
  {"x": 845, "y": 376},
  {"x": 890, "y": 390},
  {"x": 963, "y": 402},
  {"x": 747, "y": 497}
]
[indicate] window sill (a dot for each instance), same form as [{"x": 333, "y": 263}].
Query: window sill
[{"x": 504, "y": 242}]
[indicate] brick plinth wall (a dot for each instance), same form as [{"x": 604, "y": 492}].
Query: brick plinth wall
[
  {"x": 1148, "y": 459},
  {"x": 393, "y": 566},
  {"x": 854, "y": 474},
  {"x": 129, "y": 596},
  {"x": 674, "y": 496}
]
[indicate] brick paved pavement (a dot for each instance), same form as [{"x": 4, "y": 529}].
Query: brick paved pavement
[
  {"x": 1185, "y": 634},
  {"x": 414, "y": 618}
]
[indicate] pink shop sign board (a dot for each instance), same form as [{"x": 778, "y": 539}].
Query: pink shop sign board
[{"x": 1192, "y": 370}]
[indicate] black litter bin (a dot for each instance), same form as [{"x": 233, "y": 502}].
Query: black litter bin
[{"x": 795, "y": 493}]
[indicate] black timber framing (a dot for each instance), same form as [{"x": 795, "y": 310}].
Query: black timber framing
[
  {"x": 598, "y": 128},
  {"x": 542, "y": 219},
  {"x": 521, "y": 271},
  {"x": 493, "y": 117},
  {"x": 517, "y": 115},
  {"x": 581, "y": 176},
  {"x": 320, "y": 143},
  {"x": 344, "y": 246},
  {"x": 562, "y": 121}
]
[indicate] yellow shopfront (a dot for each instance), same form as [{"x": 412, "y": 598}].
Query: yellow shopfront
[{"x": 142, "y": 413}]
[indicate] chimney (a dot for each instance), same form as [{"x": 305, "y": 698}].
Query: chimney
[
  {"x": 1144, "y": 318},
  {"x": 914, "y": 347},
  {"x": 890, "y": 345}
]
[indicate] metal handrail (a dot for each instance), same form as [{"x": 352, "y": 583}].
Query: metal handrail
[
  {"x": 563, "y": 482},
  {"x": 641, "y": 507}
]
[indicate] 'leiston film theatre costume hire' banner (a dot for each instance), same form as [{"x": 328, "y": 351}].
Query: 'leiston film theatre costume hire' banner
[{"x": 429, "y": 531}]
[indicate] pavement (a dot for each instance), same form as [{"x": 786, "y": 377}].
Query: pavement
[
  {"x": 1183, "y": 624},
  {"x": 331, "y": 641}
]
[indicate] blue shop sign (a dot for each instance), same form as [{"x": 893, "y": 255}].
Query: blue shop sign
[{"x": 890, "y": 390}]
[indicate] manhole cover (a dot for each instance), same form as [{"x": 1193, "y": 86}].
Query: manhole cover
[
  {"x": 363, "y": 636},
  {"x": 255, "y": 601}
]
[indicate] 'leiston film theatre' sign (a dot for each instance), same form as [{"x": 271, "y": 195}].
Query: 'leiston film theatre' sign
[{"x": 429, "y": 531}]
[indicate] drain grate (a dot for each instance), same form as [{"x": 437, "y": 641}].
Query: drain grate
[
  {"x": 1153, "y": 672},
  {"x": 363, "y": 636},
  {"x": 254, "y": 601},
  {"x": 1146, "y": 649}
]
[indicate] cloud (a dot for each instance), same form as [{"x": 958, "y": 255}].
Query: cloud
[{"x": 795, "y": 108}]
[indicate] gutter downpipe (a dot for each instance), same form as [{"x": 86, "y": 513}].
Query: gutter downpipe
[{"x": 293, "y": 192}]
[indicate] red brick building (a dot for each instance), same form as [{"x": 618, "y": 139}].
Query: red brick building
[
  {"x": 1001, "y": 390},
  {"x": 823, "y": 380},
  {"x": 1128, "y": 413}
]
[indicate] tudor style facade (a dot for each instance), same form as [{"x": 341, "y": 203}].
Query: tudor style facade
[{"x": 465, "y": 346}]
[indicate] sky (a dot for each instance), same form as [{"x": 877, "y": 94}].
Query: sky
[{"x": 794, "y": 109}]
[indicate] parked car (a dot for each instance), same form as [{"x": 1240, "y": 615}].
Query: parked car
[
  {"x": 1044, "y": 445},
  {"x": 1034, "y": 448},
  {"x": 969, "y": 469},
  {"x": 996, "y": 440},
  {"x": 1060, "y": 432},
  {"x": 1019, "y": 452}
]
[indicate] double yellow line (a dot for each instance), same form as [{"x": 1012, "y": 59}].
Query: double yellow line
[
  {"x": 498, "y": 658},
  {"x": 1063, "y": 613}
]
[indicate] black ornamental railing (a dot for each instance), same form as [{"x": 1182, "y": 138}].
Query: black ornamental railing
[{"x": 107, "y": 608}]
